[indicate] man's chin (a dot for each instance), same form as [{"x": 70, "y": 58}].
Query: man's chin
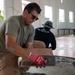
[{"x": 28, "y": 24}]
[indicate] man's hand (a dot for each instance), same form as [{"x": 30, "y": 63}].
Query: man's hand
[{"x": 38, "y": 60}]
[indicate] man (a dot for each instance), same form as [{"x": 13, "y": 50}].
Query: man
[
  {"x": 44, "y": 34},
  {"x": 16, "y": 39}
]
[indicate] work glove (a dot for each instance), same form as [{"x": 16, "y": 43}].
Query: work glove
[{"x": 38, "y": 60}]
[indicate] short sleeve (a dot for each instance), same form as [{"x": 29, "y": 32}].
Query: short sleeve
[{"x": 11, "y": 28}]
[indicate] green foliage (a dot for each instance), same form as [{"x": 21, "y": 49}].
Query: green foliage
[{"x": 1, "y": 17}]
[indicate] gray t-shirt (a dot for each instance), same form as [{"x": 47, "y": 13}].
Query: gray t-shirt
[{"x": 16, "y": 27}]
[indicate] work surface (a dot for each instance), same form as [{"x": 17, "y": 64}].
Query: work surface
[
  {"x": 59, "y": 69},
  {"x": 65, "y": 47},
  {"x": 62, "y": 66}
]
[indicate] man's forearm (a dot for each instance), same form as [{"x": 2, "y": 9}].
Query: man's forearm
[{"x": 19, "y": 51}]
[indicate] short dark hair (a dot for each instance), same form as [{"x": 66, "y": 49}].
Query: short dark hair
[{"x": 33, "y": 6}]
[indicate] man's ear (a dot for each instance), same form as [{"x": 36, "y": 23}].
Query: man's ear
[{"x": 25, "y": 13}]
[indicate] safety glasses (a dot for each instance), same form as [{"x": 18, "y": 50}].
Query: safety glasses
[{"x": 34, "y": 17}]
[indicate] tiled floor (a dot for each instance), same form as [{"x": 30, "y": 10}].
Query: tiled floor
[{"x": 65, "y": 46}]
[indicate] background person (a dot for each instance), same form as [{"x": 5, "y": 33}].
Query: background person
[{"x": 44, "y": 34}]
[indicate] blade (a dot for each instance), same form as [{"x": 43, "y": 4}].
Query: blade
[{"x": 53, "y": 60}]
